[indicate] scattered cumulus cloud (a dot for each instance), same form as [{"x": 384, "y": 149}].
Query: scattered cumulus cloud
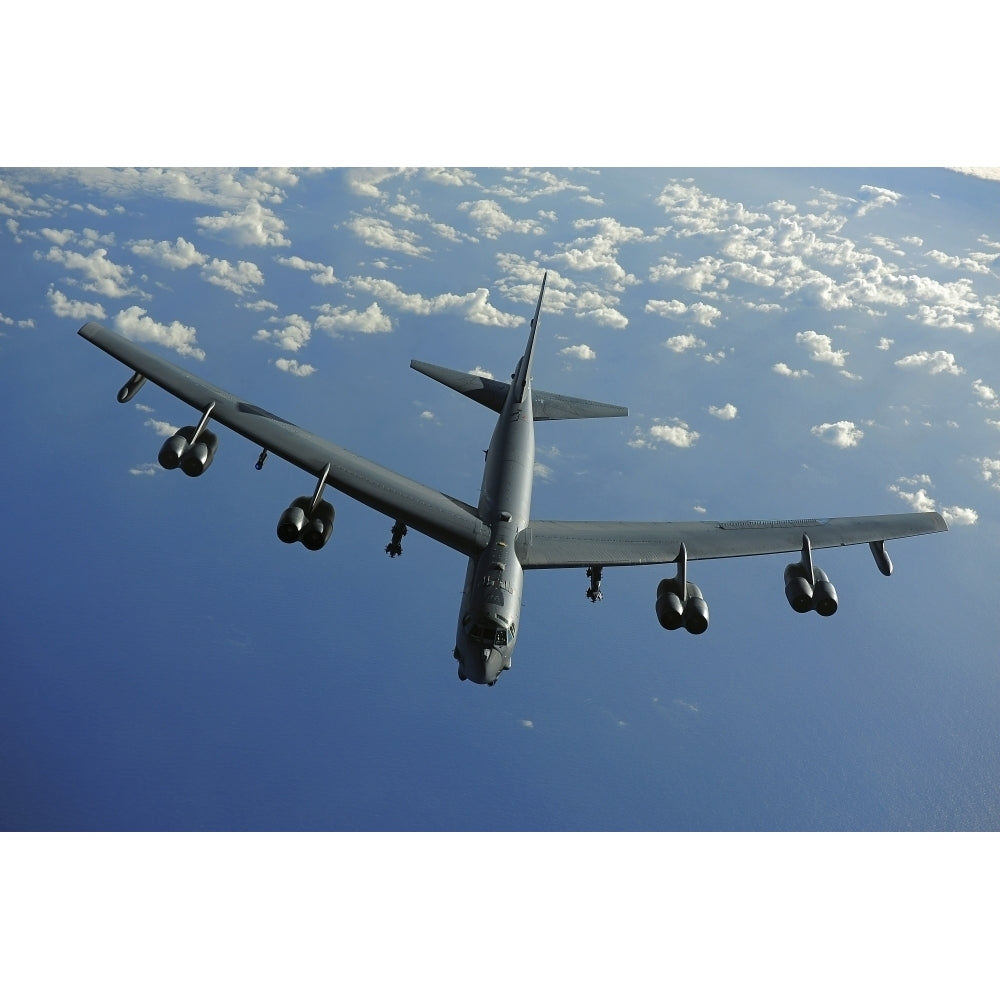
[
  {"x": 683, "y": 342},
  {"x": 162, "y": 428},
  {"x": 381, "y": 234},
  {"x": 727, "y": 412},
  {"x": 782, "y": 369},
  {"x": 291, "y": 336},
  {"x": 135, "y": 324},
  {"x": 821, "y": 348},
  {"x": 842, "y": 434},
  {"x": 73, "y": 308},
  {"x": 987, "y": 396},
  {"x": 492, "y": 222},
  {"x": 677, "y": 434},
  {"x": 177, "y": 256},
  {"x": 236, "y": 278},
  {"x": 100, "y": 274},
  {"x": 936, "y": 362},
  {"x": 340, "y": 319},
  {"x": 293, "y": 367},
  {"x": 255, "y": 226},
  {"x": 472, "y": 306},
  {"x": 580, "y": 351},
  {"x": 322, "y": 274},
  {"x": 918, "y": 500}
]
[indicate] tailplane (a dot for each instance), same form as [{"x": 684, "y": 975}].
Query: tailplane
[{"x": 493, "y": 394}]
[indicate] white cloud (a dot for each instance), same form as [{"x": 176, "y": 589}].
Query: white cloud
[
  {"x": 919, "y": 501},
  {"x": 74, "y": 308},
  {"x": 381, "y": 234},
  {"x": 293, "y": 367},
  {"x": 937, "y": 362},
  {"x": 100, "y": 274},
  {"x": 481, "y": 372},
  {"x": 885, "y": 343},
  {"x": 727, "y": 412},
  {"x": 990, "y": 469},
  {"x": 136, "y": 325},
  {"x": 178, "y": 255},
  {"x": 322, "y": 274},
  {"x": 162, "y": 427},
  {"x": 876, "y": 198},
  {"x": 662, "y": 307},
  {"x": 292, "y": 336},
  {"x": 580, "y": 351},
  {"x": 238, "y": 279},
  {"x": 842, "y": 434},
  {"x": 492, "y": 221},
  {"x": 987, "y": 396},
  {"x": 334, "y": 319},
  {"x": 821, "y": 348},
  {"x": 677, "y": 434},
  {"x": 146, "y": 469},
  {"x": 472, "y": 306},
  {"x": 255, "y": 226},
  {"x": 782, "y": 369},
  {"x": 683, "y": 342}
]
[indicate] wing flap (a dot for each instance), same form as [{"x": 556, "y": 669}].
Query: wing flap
[
  {"x": 444, "y": 518},
  {"x": 568, "y": 544}
]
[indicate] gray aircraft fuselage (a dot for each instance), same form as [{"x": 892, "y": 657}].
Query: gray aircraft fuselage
[{"x": 491, "y": 599}]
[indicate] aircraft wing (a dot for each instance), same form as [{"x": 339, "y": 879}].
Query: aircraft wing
[
  {"x": 443, "y": 518},
  {"x": 565, "y": 544}
]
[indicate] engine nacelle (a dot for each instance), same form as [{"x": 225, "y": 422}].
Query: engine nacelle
[
  {"x": 199, "y": 456},
  {"x": 824, "y": 596},
  {"x": 174, "y": 447},
  {"x": 803, "y": 596},
  {"x": 798, "y": 590},
  {"x": 194, "y": 459},
  {"x": 296, "y": 524},
  {"x": 672, "y": 612},
  {"x": 293, "y": 520},
  {"x": 695, "y": 611},
  {"x": 669, "y": 606},
  {"x": 319, "y": 528}
]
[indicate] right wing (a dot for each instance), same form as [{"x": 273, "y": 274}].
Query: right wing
[
  {"x": 566, "y": 544},
  {"x": 443, "y": 518}
]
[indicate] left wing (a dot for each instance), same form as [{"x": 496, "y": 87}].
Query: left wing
[
  {"x": 564, "y": 544},
  {"x": 443, "y": 518}
]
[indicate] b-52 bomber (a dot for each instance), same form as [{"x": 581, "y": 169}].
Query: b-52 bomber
[{"x": 497, "y": 535}]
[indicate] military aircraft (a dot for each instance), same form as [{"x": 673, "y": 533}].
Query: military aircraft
[{"x": 498, "y": 535}]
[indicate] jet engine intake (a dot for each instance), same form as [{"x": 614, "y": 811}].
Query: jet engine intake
[
  {"x": 803, "y": 595},
  {"x": 672, "y": 612},
  {"x": 194, "y": 459},
  {"x": 301, "y": 522}
]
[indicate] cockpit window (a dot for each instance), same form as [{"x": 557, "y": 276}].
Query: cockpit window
[{"x": 488, "y": 633}]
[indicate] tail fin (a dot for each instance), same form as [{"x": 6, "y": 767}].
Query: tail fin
[{"x": 522, "y": 376}]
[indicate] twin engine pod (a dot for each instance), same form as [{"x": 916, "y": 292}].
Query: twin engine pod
[
  {"x": 195, "y": 458},
  {"x": 803, "y": 595},
  {"x": 307, "y": 522},
  {"x": 674, "y": 610}
]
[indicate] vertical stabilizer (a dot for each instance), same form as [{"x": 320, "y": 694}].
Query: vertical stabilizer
[{"x": 522, "y": 376}]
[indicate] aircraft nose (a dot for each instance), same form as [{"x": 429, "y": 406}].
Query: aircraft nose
[{"x": 492, "y": 664}]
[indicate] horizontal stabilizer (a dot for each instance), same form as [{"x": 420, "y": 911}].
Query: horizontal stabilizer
[
  {"x": 493, "y": 394},
  {"x": 552, "y": 406},
  {"x": 487, "y": 391}
]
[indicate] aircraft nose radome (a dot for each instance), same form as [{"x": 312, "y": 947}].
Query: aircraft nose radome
[{"x": 492, "y": 664}]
